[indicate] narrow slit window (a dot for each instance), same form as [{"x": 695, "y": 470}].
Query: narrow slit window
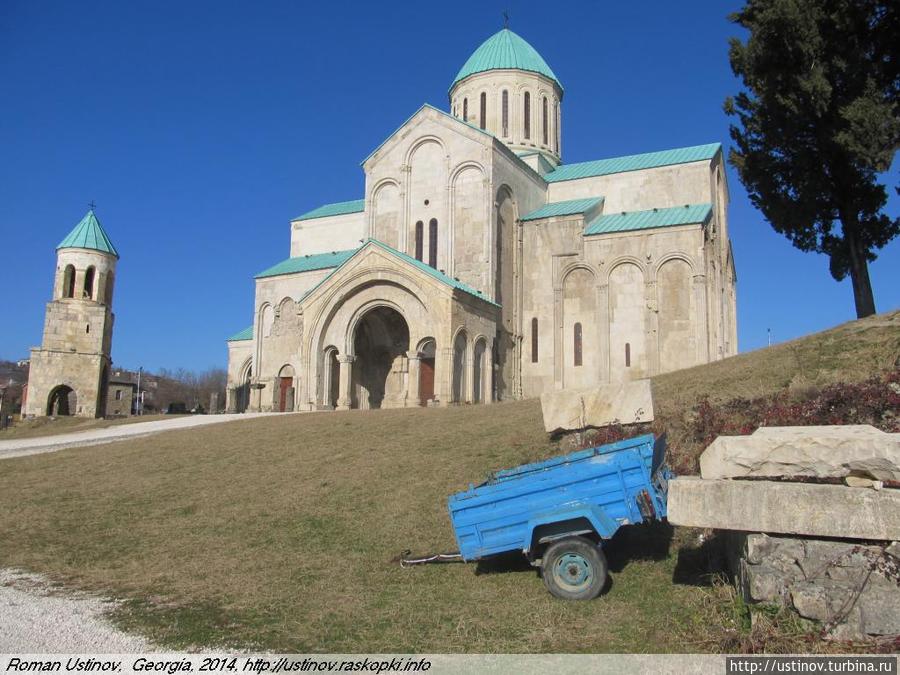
[
  {"x": 419, "y": 234},
  {"x": 534, "y": 340},
  {"x": 465, "y": 110},
  {"x": 505, "y": 112},
  {"x": 544, "y": 121},
  {"x": 87, "y": 329},
  {"x": 483, "y": 110},
  {"x": 577, "y": 340},
  {"x": 527, "y": 113},
  {"x": 432, "y": 242},
  {"x": 556, "y": 128},
  {"x": 628, "y": 355}
]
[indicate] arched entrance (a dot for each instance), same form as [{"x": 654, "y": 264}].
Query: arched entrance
[
  {"x": 62, "y": 401},
  {"x": 380, "y": 343},
  {"x": 242, "y": 391},
  {"x": 427, "y": 353},
  {"x": 331, "y": 378},
  {"x": 285, "y": 389}
]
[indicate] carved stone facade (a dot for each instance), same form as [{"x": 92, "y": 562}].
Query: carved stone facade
[{"x": 479, "y": 267}]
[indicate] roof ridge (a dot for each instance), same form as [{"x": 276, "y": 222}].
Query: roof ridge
[{"x": 633, "y": 162}]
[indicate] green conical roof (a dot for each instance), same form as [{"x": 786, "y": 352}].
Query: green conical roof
[
  {"x": 505, "y": 51},
  {"x": 89, "y": 234}
]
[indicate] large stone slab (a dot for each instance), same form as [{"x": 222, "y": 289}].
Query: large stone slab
[
  {"x": 625, "y": 403},
  {"x": 820, "y": 451},
  {"x": 785, "y": 508}
]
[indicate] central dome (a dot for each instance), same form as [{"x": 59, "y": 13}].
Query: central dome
[{"x": 505, "y": 51}]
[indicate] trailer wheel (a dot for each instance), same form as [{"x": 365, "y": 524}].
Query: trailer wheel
[{"x": 574, "y": 569}]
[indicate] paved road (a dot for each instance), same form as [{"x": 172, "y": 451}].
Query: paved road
[{"x": 35, "y": 446}]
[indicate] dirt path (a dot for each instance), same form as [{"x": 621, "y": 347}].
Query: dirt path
[
  {"x": 36, "y": 618},
  {"x": 34, "y": 446}
]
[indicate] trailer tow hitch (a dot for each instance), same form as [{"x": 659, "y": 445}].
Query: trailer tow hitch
[{"x": 407, "y": 561}]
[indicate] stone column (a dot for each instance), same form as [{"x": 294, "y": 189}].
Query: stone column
[
  {"x": 487, "y": 374},
  {"x": 701, "y": 326},
  {"x": 603, "y": 331},
  {"x": 230, "y": 400},
  {"x": 346, "y": 379},
  {"x": 412, "y": 398},
  {"x": 469, "y": 367},
  {"x": 445, "y": 386}
]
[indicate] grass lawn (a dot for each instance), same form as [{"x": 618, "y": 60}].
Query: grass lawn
[{"x": 281, "y": 533}]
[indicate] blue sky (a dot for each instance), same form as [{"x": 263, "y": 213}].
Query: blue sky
[{"x": 200, "y": 128}]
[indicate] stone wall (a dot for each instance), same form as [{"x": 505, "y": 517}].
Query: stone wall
[{"x": 852, "y": 588}]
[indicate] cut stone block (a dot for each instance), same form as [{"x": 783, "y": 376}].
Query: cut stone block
[
  {"x": 787, "y": 508},
  {"x": 819, "y": 451},
  {"x": 625, "y": 403}
]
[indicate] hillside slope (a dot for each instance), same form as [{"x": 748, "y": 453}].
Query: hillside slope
[{"x": 280, "y": 533}]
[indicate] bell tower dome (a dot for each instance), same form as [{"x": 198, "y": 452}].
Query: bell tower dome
[{"x": 507, "y": 88}]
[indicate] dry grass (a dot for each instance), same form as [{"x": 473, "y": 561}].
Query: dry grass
[
  {"x": 280, "y": 532},
  {"x": 49, "y": 426}
]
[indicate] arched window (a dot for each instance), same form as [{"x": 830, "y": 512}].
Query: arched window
[
  {"x": 465, "y": 110},
  {"x": 577, "y": 350},
  {"x": 544, "y": 121},
  {"x": 432, "y": 242},
  {"x": 419, "y": 235},
  {"x": 628, "y": 355},
  {"x": 483, "y": 110},
  {"x": 505, "y": 112},
  {"x": 527, "y": 114},
  {"x": 556, "y": 127},
  {"x": 89, "y": 283},
  {"x": 534, "y": 340},
  {"x": 69, "y": 282}
]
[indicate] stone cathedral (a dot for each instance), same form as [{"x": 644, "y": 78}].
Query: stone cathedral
[{"x": 479, "y": 267}]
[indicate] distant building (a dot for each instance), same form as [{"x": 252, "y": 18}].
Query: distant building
[
  {"x": 69, "y": 372},
  {"x": 478, "y": 266},
  {"x": 121, "y": 397}
]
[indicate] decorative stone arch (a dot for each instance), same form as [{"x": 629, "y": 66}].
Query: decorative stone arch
[
  {"x": 422, "y": 382},
  {"x": 419, "y": 142},
  {"x": 462, "y": 244},
  {"x": 482, "y": 389},
  {"x": 675, "y": 255},
  {"x": 571, "y": 267},
  {"x": 578, "y": 329},
  {"x": 334, "y": 322},
  {"x": 242, "y": 390},
  {"x": 627, "y": 259},
  {"x": 284, "y": 307},
  {"x": 372, "y": 212}
]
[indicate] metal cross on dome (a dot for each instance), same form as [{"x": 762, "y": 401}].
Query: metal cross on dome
[
  {"x": 92, "y": 205},
  {"x": 505, "y": 18}
]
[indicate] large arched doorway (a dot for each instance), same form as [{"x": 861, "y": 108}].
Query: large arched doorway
[
  {"x": 62, "y": 401},
  {"x": 380, "y": 343},
  {"x": 427, "y": 353}
]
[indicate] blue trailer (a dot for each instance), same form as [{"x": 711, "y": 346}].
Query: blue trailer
[{"x": 558, "y": 512}]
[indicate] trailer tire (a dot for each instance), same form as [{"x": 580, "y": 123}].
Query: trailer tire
[{"x": 574, "y": 569}]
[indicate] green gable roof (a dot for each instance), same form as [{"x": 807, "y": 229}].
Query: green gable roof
[
  {"x": 89, "y": 234},
  {"x": 648, "y": 160},
  {"x": 437, "y": 274},
  {"x": 505, "y": 51},
  {"x": 645, "y": 220},
  {"x": 336, "y": 209},
  {"x": 246, "y": 334},
  {"x": 307, "y": 263},
  {"x": 566, "y": 208}
]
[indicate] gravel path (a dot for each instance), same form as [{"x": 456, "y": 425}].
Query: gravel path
[
  {"x": 35, "y": 618},
  {"x": 35, "y": 446}
]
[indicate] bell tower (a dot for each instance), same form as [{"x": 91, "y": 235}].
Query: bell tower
[{"x": 69, "y": 373}]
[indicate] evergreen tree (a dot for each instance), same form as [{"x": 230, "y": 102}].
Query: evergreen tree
[{"x": 818, "y": 122}]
